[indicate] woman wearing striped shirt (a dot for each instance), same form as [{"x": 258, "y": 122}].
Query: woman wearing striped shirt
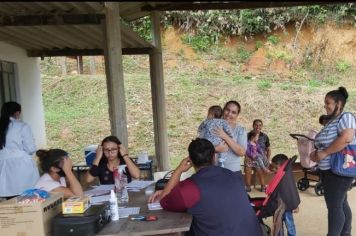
[{"x": 335, "y": 135}]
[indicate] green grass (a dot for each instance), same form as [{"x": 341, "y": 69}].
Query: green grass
[{"x": 76, "y": 107}]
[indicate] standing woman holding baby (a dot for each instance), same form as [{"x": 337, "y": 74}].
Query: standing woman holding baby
[{"x": 238, "y": 143}]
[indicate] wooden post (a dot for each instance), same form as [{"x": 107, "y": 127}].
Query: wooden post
[
  {"x": 114, "y": 72},
  {"x": 92, "y": 65},
  {"x": 80, "y": 65},
  {"x": 158, "y": 96},
  {"x": 64, "y": 66}
]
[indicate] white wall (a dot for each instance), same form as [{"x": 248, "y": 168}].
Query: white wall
[{"x": 29, "y": 89}]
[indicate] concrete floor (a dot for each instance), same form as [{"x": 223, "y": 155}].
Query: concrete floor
[{"x": 312, "y": 217}]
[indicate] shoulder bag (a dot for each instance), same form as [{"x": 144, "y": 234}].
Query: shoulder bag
[
  {"x": 161, "y": 183},
  {"x": 343, "y": 163}
]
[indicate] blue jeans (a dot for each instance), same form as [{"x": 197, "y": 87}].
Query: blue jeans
[
  {"x": 339, "y": 211},
  {"x": 289, "y": 223}
]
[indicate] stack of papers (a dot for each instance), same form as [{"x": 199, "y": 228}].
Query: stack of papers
[
  {"x": 137, "y": 185},
  {"x": 154, "y": 206},
  {"x": 99, "y": 193},
  {"x": 126, "y": 211}
]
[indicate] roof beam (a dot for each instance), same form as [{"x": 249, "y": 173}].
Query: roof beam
[
  {"x": 51, "y": 20},
  {"x": 83, "y": 52},
  {"x": 230, "y": 5}
]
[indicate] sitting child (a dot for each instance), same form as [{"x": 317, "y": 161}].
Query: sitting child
[
  {"x": 255, "y": 153},
  {"x": 206, "y": 130},
  {"x": 287, "y": 218}
]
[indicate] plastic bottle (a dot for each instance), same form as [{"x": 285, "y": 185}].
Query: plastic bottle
[
  {"x": 117, "y": 180},
  {"x": 124, "y": 195},
  {"x": 114, "y": 209}
]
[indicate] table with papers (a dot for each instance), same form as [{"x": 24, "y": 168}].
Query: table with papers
[{"x": 171, "y": 223}]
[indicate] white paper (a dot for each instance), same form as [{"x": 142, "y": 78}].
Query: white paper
[
  {"x": 125, "y": 212},
  {"x": 100, "y": 199},
  {"x": 100, "y": 190},
  {"x": 154, "y": 206},
  {"x": 139, "y": 184}
]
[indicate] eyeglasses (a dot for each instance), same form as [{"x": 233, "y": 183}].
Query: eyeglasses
[{"x": 114, "y": 150}]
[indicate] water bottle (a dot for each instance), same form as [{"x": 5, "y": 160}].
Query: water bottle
[
  {"x": 117, "y": 180},
  {"x": 124, "y": 195},
  {"x": 114, "y": 210}
]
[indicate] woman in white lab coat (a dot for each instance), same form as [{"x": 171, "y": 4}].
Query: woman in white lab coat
[{"x": 18, "y": 170}]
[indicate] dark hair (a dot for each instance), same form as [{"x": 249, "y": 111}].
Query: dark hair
[
  {"x": 279, "y": 159},
  {"x": 201, "y": 152},
  {"x": 113, "y": 139},
  {"x": 339, "y": 95},
  {"x": 323, "y": 119},
  {"x": 251, "y": 135},
  {"x": 8, "y": 109},
  {"x": 49, "y": 158},
  {"x": 235, "y": 103},
  {"x": 216, "y": 111},
  {"x": 257, "y": 120}
]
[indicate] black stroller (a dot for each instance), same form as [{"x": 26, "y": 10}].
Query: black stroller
[
  {"x": 305, "y": 147},
  {"x": 282, "y": 195}
]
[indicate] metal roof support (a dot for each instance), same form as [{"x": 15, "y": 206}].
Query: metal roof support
[
  {"x": 158, "y": 97},
  {"x": 114, "y": 72}
]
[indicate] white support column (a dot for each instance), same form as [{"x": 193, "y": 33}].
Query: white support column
[
  {"x": 158, "y": 96},
  {"x": 114, "y": 72}
]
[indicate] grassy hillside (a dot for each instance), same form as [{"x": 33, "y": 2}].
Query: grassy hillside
[{"x": 286, "y": 96}]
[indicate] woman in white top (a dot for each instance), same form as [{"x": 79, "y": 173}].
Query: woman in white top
[
  {"x": 18, "y": 170},
  {"x": 56, "y": 166}
]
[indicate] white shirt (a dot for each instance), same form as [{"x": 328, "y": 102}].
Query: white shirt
[
  {"x": 18, "y": 170},
  {"x": 48, "y": 184}
]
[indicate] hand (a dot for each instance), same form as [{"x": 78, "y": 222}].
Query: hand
[
  {"x": 317, "y": 156},
  {"x": 155, "y": 197},
  {"x": 220, "y": 132},
  {"x": 184, "y": 165},
  {"x": 67, "y": 165},
  {"x": 296, "y": 210},
  {"x": 123, "y": 150},
  {"x": 99, "y": 153}
]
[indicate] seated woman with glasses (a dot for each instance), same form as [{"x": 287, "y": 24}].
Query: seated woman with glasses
[
  {"x": 58, "y": 175},
  {"x": 109, "y": 155}
]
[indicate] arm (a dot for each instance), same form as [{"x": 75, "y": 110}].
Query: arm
[
  {"x": 268, "y": 148},
  {"x": 133, "y": 169},
  {"x": 89, "y": 177},
  {"x": 249, "y": 151},
  {"x": 74, "y": 189},
  {"x": 173, "y": 181},
  {"x": 339, "y": 143},
  {"x": 238, "y": 149},
  {"x": 28, "y": 140}
]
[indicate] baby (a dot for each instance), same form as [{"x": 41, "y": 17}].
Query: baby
[{"x": 206, "y": 130}]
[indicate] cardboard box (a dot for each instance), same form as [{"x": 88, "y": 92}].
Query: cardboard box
[
  {"x": 75, "y": 205},
  {"x": 34, "y": 219}
]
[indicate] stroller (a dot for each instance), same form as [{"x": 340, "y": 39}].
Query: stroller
[
  {"x": 305, "y": 147},
  {"x": 282, "y": 195}
]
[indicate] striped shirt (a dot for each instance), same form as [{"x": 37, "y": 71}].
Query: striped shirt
[{"x": 330, "y": 132}]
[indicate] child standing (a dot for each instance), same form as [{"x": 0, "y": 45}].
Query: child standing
[
  {"x": 255, "y": 153},
  {"x": 206, "y": 130},
  {"x": 287, "y": 218}
]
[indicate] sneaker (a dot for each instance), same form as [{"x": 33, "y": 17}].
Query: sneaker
[{"x": 248, "y": 189}]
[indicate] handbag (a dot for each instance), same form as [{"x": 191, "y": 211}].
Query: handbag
[
  {"x": 161, "y": 183},
  {"x": 343, "y": 163}
]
